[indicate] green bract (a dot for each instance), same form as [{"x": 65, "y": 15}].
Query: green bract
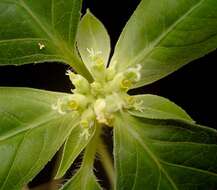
[{"x": 157, "y": 145}]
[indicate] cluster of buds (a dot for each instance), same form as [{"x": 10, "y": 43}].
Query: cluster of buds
[{"x": 98, "y": 101}]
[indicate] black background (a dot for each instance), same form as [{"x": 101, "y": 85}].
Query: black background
[{"x": 192, "y": 87}]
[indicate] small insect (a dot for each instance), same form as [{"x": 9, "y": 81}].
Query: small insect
[{"x": 41, "y": 46}]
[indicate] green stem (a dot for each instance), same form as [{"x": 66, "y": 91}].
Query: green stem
[
  {"x": 90, "y": 151},
  {"x": 75, "y": 62},
  {"x": 79, "y": 66},
  {"x": 107, "y": 162}
]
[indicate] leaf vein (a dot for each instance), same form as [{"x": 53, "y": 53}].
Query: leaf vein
[
  {"x": 151, "y": 154},
  {"x": 137, "y": 168},
  {"x": 32, "y": 126},
  {"x": 14, "y": 159},
  {"x": 148, "y": 51},
  {"x": 189, "y": 168}
]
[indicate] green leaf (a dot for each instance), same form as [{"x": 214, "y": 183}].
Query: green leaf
[
  {"x": 38, "y": 31},
  {"x": 164, "y": 35},
  {"x": 92, "y": 36},
  {"x": 164, "y": 155},
  {"x": 30, "y": 133},
  {"x": 72, "y": 148},
  {"x": 83, "y": 180},
  {"x": 156, "y": 107}
]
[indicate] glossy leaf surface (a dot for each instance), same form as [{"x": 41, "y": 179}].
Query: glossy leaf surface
[
  {"x": 38, "y": 31},
  {"x": 164, "y": 155},
  {"x": 156, "y": 107},
  {"x": 30, "y": 133},
  {"x": 164, "y": 35}
]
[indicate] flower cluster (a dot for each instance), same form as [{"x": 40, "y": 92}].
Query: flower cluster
[{"x": 98, "y": 101}]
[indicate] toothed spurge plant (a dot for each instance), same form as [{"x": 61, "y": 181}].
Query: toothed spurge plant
[{"x": 157, "y": 145}]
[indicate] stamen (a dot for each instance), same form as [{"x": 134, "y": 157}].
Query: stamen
[
  {"x": 138, "y": 106},
  {"x": 92, "y": 53},
  {"x": 98, "y": 101},
  {"x": 58, "y": 107},
  {"x": 85, "y": 133}
]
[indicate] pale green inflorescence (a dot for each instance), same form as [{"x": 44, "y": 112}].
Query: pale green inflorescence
[{"x": 99, "y": 100}]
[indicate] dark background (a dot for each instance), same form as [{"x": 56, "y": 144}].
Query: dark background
[{"x": 192, "y": 87}]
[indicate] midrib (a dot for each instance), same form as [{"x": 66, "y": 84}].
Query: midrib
[
  {"x": 65, "y": 50},
  {"x": 147, "y": 51},
  {"x": 152, "y": 155},
  {"x": 29, "y": 11}
]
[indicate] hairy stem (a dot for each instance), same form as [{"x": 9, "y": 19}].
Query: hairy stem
[
  {"x": 79, "y": 66},
  {"x": 107, "y": 162},
  {"x": 25, "y": 188},
  {"x": 90, "y": 151}
]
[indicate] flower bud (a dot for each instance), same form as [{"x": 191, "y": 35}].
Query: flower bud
[
  {"x": 114, "y": 85},
  {"x": 125, "y": 84},
  {"x": 87, "y": 121},
  {"x": 113, "y": 103},
  {"x": 96, "y": 88},
  {"x": 98, "y": 69},
  {"x": 77, "y": 101},
  {"x": 69, "y": 103},
  {"x": 99, "y": 109},
  {"x": 73, "y": 104},
  {"x": 110, "y": 74},
  {"x": 81, "y": 84}
]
